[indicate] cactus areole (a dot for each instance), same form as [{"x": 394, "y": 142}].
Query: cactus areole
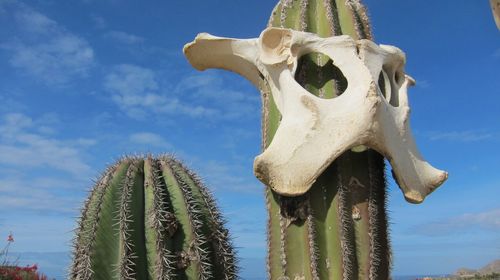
[{"x": 334, "y": 104}]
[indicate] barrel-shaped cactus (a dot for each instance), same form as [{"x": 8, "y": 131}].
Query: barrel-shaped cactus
[
  {"x": 151, "y": 218},
  {"x": 337, "y": 230}
]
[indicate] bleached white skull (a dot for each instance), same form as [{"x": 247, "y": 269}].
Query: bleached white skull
[{"x": 313, "y": 131}]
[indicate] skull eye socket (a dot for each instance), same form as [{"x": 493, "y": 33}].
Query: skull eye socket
[
  {"x": 384, "y": 85},
  {"x": 317, "y": 74},
  {"x": 398, "y": 77},
  {"x": 390, "y": 81}
]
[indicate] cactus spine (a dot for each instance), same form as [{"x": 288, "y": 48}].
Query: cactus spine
[
  {"x": 151, "y": 218},
  {"x": 338, "y": 230}
]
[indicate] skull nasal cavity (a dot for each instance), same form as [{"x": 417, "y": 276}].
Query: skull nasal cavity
[{"x": 318, "y": 74}]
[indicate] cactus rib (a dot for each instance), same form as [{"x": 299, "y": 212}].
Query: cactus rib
[
  {"x": 151, "y": 218},
  {"x": 338, "y": 230}
]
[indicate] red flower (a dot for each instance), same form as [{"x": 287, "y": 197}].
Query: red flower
[{"x": 10, "y": 238}]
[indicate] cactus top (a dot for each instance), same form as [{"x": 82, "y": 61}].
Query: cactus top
[{"x": 151, "y": 218}]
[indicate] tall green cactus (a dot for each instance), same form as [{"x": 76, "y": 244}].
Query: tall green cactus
[
  {"x": 338, "y": 229},
  {"x": 151, "y": 218}
]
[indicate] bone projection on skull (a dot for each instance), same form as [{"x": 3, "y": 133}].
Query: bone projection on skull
[{"x": 314, "y": 132}]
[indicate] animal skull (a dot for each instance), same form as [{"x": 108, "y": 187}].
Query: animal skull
[{"x": 313, "y": 132}]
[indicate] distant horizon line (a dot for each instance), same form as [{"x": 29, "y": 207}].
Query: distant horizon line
[{"x": 399, "y": 276}]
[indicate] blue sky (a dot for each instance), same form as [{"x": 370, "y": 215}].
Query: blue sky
[{"x": 85, "y": 81}]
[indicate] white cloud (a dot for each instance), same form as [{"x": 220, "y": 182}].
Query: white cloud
[
  {"x": 198, "y": 81},
  {"x": 23, "y": 191},
  {"x": 137, "y": 92},
  {"x": 37, "y": 200},
  {"x": 10, "y": 102},
  {"x": 487, "y": 220},
  {"x": 45, "y": 50},
  {"x": 13, "y": 123},
  {"x": 33, "y": 21},
  {"x": 462, "y": 136},
  {"x": 21, "y": 146},
  {"x": 149, "y": 139},
  {"x": 423, "y": 84},
  {"x": 40, "y": 173},
  {"x": 123, "y": 37},
  {"x": 211, "y": 90},
  {"x": 130, "y": 81}
]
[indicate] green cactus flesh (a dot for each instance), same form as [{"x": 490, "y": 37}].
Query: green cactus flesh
[
  {"x": 151, "y": 218},
  {"x": 337, "y": 230}
]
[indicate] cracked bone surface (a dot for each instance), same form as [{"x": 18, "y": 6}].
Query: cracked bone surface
[{"x": 313, "y": 131}]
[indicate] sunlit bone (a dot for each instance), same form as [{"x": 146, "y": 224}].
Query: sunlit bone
[{"x": 313, "y": 132}]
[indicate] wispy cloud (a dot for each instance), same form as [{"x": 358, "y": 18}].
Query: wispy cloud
[
  {"x": 45, "y": 50},
  {"x": 425, "y": 84},
  {"x": 137, "y": 92},
  {"x": 27, "y": 196},
  {"x": 40, "y": 172},
  {"x": 488, "y": 220},
  {"x": 123, "y": 37},
  {"x": 461, "y": 136},
  {"x": 22, "y": 191},
  {"x": 21, "y": 145},
  {"x": 210, "y": 89},
  {"x": 150, "y": 139}
]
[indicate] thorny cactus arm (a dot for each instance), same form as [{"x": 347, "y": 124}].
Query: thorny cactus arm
[{"x": 151, "y": 218}]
